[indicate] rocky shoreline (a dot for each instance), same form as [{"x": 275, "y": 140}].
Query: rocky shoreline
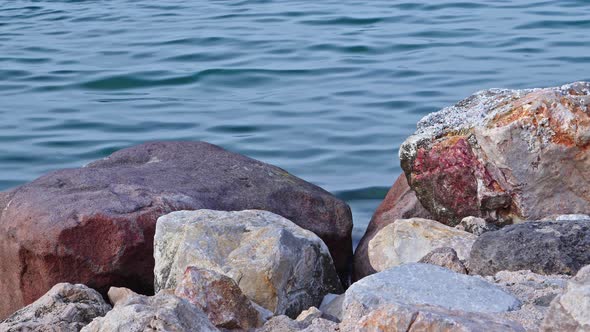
[{"x": 486, "y": 230}]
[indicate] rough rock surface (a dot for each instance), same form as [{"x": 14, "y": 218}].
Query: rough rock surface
[
  {"x": 220, "y": 298},
  {"x": 418, "y": 284},
  {"x": 95, "y": 225},
  {"x": 571, "y": 310},
  {"x": 277, "y": 264},
  {"x": 65, "y": 308},
  {"x": 396, "y": 317},
  {"x": 285, "y": 324},
  {"x": 408, "y": 240},
  {"x": 543, "y": 247},
  {"x": 399, "y": 203},
  {"x": 476, "y": 226},
  {"x": 162, "y": 312},
  {"x": 504, "y": 155},
  {"x": 535, "y": 291},
  {"x": 445, "y": 257}
]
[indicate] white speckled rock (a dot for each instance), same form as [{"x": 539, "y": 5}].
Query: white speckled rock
[
  {"x": 162, "y": 312},
  {"x": 571, "y": 310},
  {"x": 64, "y": 308},
  {"x": 408, "y": 240},
  {"x": 277, "y": 264},
  {"x": 425, "y": 284}
]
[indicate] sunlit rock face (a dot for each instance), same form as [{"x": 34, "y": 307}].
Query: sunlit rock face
[{"x": 504, "y": 155}]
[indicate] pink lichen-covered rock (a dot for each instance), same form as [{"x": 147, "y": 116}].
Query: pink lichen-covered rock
[
  {"x": 504, "y": 155},
  {"x": 219, "y": 297}
]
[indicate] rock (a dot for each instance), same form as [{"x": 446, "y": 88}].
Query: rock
[
  {"x": 331, "y": 307},
  {"x": 408, "y": 240},
  {"x": 476, "y": 226},
  {"x": 220, "y": 298},
  {"x": 306, "y": 317},
  {"x": 571, "y": 310},
  {"x": 119, "y": 294},
  {"x": 535, "y": 291},
  {"x": 276, "y": 264},
  {"x": 445, "y": 257},
  {"x": 541, "y": 247},
  {"x": 162, "y": 312},
  {"x": 399, "y": 203},
  {"x": 572, "y": 217},
  {"x": 395, "y": 317},
  {"x": 64, "y": 308},
  {"x": 285, "y": 324},
  {"x": 504, "y": 155},
  {"x": 425, "y": 284},
  {"x": 95, "y": 225}
]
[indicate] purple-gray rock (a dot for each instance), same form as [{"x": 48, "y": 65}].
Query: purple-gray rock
[
  {"x": 541, "y": 247},
  {"x": 95, "y": 225}
]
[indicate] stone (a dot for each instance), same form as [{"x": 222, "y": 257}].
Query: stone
[
  {"x": 535, "y": 291},
  {"x": 541, "y": 247},
  {"x": 571, "y": 310},
  {"x": 426, "y": 284},
  {"x": 95, "y": 225},
  {"x": 306, "y": 317},
  {"x": 476, "y": 226},
  {"x": 118, "y": 294},
  {"x": 220, "y": 298},
  {"x": 445, "y": 257},
  {"x": 399, "y": 203},
  {"x": 331, "y": 307},
  {"x": 277, "y": 264},
  {"x": 504, "y": 156},
  {"x": 396, "y": 317},
  {"x": 162, "y": 312},
  {"x": 408, "y": 240},
  {"x": 64, "y": 308},
  {"x": 283, "y": 323}
]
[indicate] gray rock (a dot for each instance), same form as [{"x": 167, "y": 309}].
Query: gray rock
[
  {"x": 541, "y": 247},
  {"x": 476, "y": 226},
  {"x": 276, "y": 264},
  {"x": 445, "y": 257},
  {"x": 285, "y": 324},
  {"x": 331, "y": 306},
  {"x": 418, "y": 284},
  {"x": 65, "y": 308},
  {"x": 571, "y": 310},
  {"x": 162, "y": 312}
]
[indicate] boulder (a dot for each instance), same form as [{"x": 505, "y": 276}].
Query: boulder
[
  {"x": 542, "y": 247},
  {"x": 399, "y": 203},
  {"x": 162, "y": 312},
  {"x": 408, "y": 240},
  {"x": 445, "y": 257},
  {"x": 396, "y": 317},
  {"x": 426, "y": 284},
  {"x": 504, "y": 155},
  {"x": 571, "y": 310},
  {"x": 476, "y": 226},
  {"x": 220, "y": 298},
  {"x": 95, "y": 225},
  {"x": 65, "y": 308},
  {"x": 277, "y": 264}
]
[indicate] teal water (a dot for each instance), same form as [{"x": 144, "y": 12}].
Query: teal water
[{"x": 325, "y": 89}]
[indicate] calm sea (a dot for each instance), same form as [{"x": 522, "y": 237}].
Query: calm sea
[{"x": 325, "y": 89}]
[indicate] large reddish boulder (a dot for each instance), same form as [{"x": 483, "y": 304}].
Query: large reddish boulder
[
  {"x": 399, "y": 203},
  {"x": 504, "y": 155},
  {"x": 95, "y": 225}
]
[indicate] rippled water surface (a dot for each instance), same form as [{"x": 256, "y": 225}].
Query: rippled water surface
[{"x": 325, "y": 89}]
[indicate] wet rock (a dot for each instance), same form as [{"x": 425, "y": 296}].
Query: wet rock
[
  {"x": 95, "y": 225},
  {"x": 276, "y": 264},
  {"x": 425, "y": 284},
  {"x": 400, "y": 203},
  {"x": 220, "y": 298},
  {"x": 476, "y": 226},
  {"x": 571, "y": 310},
  {"x": 408, "y": 240},
  {"x": 541, "y": 247},
  {"x": 396, "y": 317},
  {"x": 162, "y": 312},
  {"x": 65, "y": 308},
  {"x": 504, "y": 155},
  {"x": 445, "y": 257},
  {"x": 535, "y": 291}
]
